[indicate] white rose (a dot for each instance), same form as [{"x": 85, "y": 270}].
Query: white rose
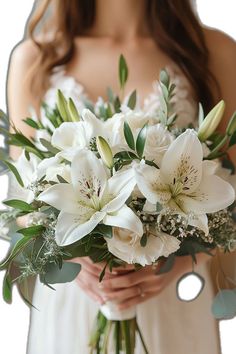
[
  {"x": 52, "y": 167},
  {"x": 157, "y": 142},
  {"x": 126, "y": 245}
]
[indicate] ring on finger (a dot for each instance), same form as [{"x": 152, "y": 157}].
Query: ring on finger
[{"x": 141, "y": 293}]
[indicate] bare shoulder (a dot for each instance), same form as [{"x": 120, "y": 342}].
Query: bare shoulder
[
  {"x": 24, "y": 54},
  {"x": 222, "y": 49}
]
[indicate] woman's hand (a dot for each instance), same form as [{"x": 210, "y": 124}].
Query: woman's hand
[{"x": 127, "y": 286}]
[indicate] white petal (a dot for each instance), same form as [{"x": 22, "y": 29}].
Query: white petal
[
  {"x": 150, "y": 184},
  {"x": 170, "y": 244},
  {"x": 93, "y": 125},
  {"x": 61, "y": 196},
  {"x": 212, "y": 195},
  {"x": 183, "y": 161},
  {"x": 69, "y": 228},
  {"x": 69, "y": 135},
  {"x": 88, "y": 174},
  {"x": 126, "y": 219},
  {"x": 201, "y": 222},
  {"x": 209, "y": 167}
]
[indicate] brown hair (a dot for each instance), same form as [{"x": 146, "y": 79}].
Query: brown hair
[{"x": 173, "y": 24}]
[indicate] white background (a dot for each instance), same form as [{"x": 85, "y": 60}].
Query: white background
[{"x": 14, "y": 319}]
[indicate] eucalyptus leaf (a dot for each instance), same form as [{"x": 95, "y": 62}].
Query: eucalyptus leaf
[
  {"x": 18, "y": 204},
  {"x": 123, "y": 71},
  {"x": 224, "y": 304},
  {"x": 48, "y": 146},
  {"x": 168, "y": 265},
  {"x": 164, "y": 78},
  {"x": 132, "y": 100},
  {"x": 32, "y": 231},
  {"x": 67, "y": 273},
  {"x": 32, "y": 123},
  {"x": 129, "y": 136},
  {"x": 18, "y": 247},
  {"x": 232, "y": 140},
  {"x": 141, "y": 140},
  {"x": 7, "y": 288},
  {"x": 15, "y": 172}
]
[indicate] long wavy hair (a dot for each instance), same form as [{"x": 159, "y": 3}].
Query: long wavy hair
[{"x": 173, "y": 25}]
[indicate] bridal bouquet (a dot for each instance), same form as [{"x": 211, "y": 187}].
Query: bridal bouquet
[{"x": 121, "y": 186}]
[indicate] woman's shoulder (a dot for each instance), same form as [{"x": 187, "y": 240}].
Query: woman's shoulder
[
  {"x": 220, "y": 44},
  {"x": 25, "y": 53}
]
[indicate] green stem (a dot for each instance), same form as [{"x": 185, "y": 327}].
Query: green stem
[
  {"x": 117, "y": 336},
  {"x": 126, "y": 334},
  {"x": 141, "y": 337}
]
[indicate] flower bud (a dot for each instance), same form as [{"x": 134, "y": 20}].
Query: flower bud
[
  {"x": 74, "y": 114},
  {"x": 211, "y": 121},
  {"x": 105, "y": 152},
  {"x": 231, "y": 127},
  {"x": 62, "y": 106}
]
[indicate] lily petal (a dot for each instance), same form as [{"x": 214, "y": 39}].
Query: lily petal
[
  {"x": 61, "y": 196},
  {"x": 183, "y": 161},
  {"x": 69, "y": 228},
  {"x": 149, "y": 182},
  {"x": 69, "y": 135},
  {"x": 200, "y": 221},
  {"x": 212, "y": 195},
  {"x": 88, "y": 175},
  {"x": 125, "y": 218}
]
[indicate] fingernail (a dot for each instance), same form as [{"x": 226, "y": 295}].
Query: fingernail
[{"x": 100, "y": 285}]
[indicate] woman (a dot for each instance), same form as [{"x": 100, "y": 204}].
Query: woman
[{"x": 78, "y": 52}]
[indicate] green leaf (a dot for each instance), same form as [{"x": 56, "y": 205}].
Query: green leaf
[
  {"x": 110, "y": 95},
  {"x": 7, "y": 288},
  {"x": 232, "y": 140},
  {"x": 143, "y": 240},
  {"x": 62, "y": 106},
  {"x": 32, "y": 231},
  {"x": 104, "y": 230},
  {"x": 18, "y": 204},
  {"x": 15, "y": 172},
  {"x": 168, "y": 265},
  {"x": 117, "y": 105},
  {"x": 61, "y": 179},
  {"x": 123, "y": 71},
  {"x": 18, "y": 247},
  {"x": 125, "y": 155},
  {"x": 224, "y": 304},
  {"x": 200, "y": 114},
  {"x": 32, "y": 123},
  {"x": 132, "y": 100},
  {"x": 102, "y": 274},
  {"x": 164, "y": 78},
  {"x": 67, "y": 273},
  {"x": 141, "y": 139},
  {"x": 48, "y": 146},
  {"x": 75, "y": 117},
  {"x": 129, "y": 136}
]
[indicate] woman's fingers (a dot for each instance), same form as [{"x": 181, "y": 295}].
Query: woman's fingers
[
  {"x": 135, "y": 301},
  {"x": 128, "y": 280},
  {"x": 91, "y": 293},
  {"x": 120, "y": 295}
]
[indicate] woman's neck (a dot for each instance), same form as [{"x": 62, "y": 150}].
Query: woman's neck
[{"x": 120, "y": 19}]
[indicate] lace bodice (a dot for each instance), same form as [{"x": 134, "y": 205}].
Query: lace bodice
[{"x": 185, "y": 105}]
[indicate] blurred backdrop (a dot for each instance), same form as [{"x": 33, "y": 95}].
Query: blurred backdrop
[{"x": 14, "y": 319}]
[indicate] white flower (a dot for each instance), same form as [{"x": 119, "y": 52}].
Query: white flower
[
  {"x": 157, "y": 142},
  {"x": 91, "y": 198},
  {"x": 184, "y": 183},
  {"x": 28, "y": 171},
  {"x": 73, "y": 136},
  {"x": 115, "y": 126},
  {"x": 125, "y": 245},
  {"x": 52, "y": 167}
]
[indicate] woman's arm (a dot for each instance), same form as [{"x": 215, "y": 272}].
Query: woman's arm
[
  {"x": 222, "y": 50},
  {"x": 19, "y": 94}
]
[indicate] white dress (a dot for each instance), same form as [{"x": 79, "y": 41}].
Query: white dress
[{"x": 64, "y": 318}]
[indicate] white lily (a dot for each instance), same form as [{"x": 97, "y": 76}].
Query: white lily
[
  {"x": 126, "y": 246},
  {"x": 91, "y": 198},
  {"x": 52, "y": 167},
  {"x": 73, "y": 136},
  {"x": 28, "y": 170},
  {"x": 185, "y": 183}
]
